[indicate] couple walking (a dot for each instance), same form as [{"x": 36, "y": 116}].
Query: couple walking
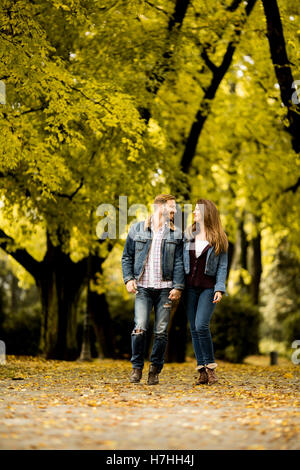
[{"x": 160, "y": 264}]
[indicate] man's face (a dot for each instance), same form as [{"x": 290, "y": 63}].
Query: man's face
[{"x": 169, "y": 209}]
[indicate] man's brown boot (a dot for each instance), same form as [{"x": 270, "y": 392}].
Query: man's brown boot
[
  {"x": 212, "y": 378},
  {"x": 135, "y": 376},
  {"x": 153, "y": 375},
  {"x": 203, "y": 377}
]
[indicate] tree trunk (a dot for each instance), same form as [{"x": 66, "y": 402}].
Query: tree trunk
[
  {"x": 218, "y": 73},
  {"x": 230, "y": 256},
  {"x": 14, "y": 295},
  {"x": 244, "y": 244},
  {"x": 100, "y": 316},
  {"x": 86, "y": 354},
  {"x": 159, "y": 72},
  {"x": 256, "y": 264},
  {"x": 60, "y": 283},
  {"x": 102, "y": 325},
  {"x": 282, "y": 67},
  {"x": 243, "y": 254}
]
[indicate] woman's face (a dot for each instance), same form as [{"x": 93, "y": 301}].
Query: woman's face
[{"x": 197, "y": 213}]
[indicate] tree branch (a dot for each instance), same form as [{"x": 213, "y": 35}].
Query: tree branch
[
  {"x": 70, "y": 196},
  {"x": 208, "y": 62},
  {"x": 234, "y": 5},
  {"x": 294, "y": 187},
  {"x": 160, "y": 9},
  {"x": 20, "y": 255},
  {"x": 159, "y": 72},
  {"x": 206, "y": 102}
]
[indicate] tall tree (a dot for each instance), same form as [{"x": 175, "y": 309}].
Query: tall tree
[
  {"x": 218, "y": 73},
  {"x": 159, "y": 72},
  {"x": 60, "y": 127},
  {"x": 283, "y": 70}
]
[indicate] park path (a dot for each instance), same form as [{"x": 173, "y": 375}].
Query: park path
[{"x": 73, "y": 405}]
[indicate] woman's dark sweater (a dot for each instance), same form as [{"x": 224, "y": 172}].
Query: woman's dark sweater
[{"x": 196, "y": 276}]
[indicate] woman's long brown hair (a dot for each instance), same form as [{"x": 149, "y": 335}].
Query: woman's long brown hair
[{"x": 215, "y": 233}]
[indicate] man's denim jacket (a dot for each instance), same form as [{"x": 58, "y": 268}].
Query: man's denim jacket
[
  {"x": 216, "y": 265},
  {"x": 137, "y": 247}
]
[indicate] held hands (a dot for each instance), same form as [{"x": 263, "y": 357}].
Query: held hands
[
  {"x": 217, "y": 297},
  {"x": 174, "y": 294},
  {"x": 131, "y": 286}
]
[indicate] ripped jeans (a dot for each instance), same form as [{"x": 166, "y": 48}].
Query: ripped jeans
[{"x": 145, "y": 299}]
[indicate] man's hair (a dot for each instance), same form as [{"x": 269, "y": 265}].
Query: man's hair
[{"x": 163, "y": 198}]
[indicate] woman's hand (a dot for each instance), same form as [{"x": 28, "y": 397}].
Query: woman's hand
[
  {"x": 174, "y": 294},
  {"x": 217, "y": 297}
]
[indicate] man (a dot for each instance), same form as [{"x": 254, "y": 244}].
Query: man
[{"x": 152, "y": 264}]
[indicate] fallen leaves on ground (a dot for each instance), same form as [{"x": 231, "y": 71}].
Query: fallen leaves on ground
[{"x": 93, "y": 405}]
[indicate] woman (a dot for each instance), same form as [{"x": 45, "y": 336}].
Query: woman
[{"x": 205, "y": 265}]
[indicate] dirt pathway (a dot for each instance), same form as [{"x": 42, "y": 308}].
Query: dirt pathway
[{"x": 63, "y": 405}]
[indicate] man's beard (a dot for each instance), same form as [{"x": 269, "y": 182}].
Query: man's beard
[{"x": 168, "y": 216}]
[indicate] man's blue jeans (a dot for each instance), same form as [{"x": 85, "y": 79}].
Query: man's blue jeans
[
  {"x": 145, "y": 299},
  {"x": 199, "y": 309}
]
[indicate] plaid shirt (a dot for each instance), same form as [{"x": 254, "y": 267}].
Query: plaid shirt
[{"x": 152, "y": 275}]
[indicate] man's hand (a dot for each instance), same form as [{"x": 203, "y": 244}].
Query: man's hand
[
  {"x": 131, "y": 286},
  {"x": 217, "y": 297},
  {"x": 175, "y": 294}
]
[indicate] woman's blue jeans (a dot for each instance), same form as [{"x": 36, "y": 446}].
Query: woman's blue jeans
[
  {"x": 199, "y": 309},
  {"x": 145, "y": 299}
]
